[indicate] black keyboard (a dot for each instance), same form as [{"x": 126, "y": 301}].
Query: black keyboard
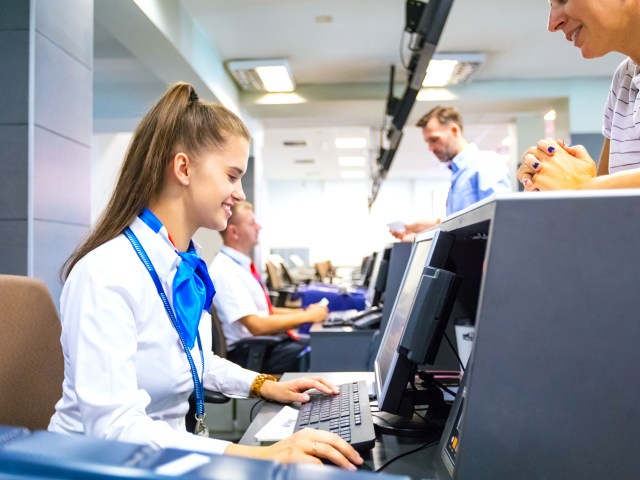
[
  {"x": 340, "y": 318},
  {"x": 347, "y": 414}
]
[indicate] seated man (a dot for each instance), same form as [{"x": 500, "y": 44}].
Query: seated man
[{"x": 242, "y": 302}]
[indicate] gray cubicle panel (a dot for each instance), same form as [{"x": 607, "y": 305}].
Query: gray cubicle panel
[{"x": 553, "y": 380}]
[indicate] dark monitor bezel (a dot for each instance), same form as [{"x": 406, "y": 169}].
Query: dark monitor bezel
[
  {"x": 391, "y": 380},
  {"x": 429, "y": 316}
]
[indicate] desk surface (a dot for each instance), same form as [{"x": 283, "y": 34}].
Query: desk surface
[{"x": 417, "y": 465}]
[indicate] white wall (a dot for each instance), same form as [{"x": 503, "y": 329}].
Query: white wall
[
  {"x": 332, "y": 218},
  {"x": 107, "y": 153}
]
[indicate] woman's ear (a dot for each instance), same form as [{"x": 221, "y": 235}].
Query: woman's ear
[{"x": 182, "y": 168}]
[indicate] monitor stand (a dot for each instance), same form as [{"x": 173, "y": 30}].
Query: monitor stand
[{"x": 412, "y": 422}]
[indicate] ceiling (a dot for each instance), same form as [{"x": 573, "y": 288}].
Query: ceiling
[{"x": 341, "y": 67}]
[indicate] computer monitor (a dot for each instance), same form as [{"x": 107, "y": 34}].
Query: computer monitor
[
  {"x": 365, "y": 272},
  {"x": 406, "y": 342},
  {"x": 429, "y": 315},
  {"x": 378, "y": 278}
]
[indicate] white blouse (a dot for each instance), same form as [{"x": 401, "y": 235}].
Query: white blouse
[{"x": 126, "y": 375}]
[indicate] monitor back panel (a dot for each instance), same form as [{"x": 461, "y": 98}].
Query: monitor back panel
[{"x": 553, "y": 379}]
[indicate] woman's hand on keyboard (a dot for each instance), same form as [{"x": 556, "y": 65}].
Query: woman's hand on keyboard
[
  {"x": 311, "y": 446},
  {"x": 308, "y": 446},
  {"x": 294, "y": 390}
]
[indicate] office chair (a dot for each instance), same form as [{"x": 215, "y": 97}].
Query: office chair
[
  {"x": 250, "y": 353},
  {"x": 31, "y": 363},
  {"x": 325, "y": 270},
  {"x": 280, "y": 290}
]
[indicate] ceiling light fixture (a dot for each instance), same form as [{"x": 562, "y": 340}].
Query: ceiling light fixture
[
  {"x": 280, "y": 99},
  {"x": 357, "y": 142},
  {"x": 451, "y": 68},
  {"x": 351, "y": 161},
  {"x": 435, "y": 95},
  {"x": 272, "y": 75}
]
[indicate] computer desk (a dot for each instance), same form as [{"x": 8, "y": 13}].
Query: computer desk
[
  {"x": 339, "y": 349},
  {"x": 418, "y": 466}
]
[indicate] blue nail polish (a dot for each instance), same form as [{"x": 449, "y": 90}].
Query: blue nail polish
[
  {"x": 551, "y": 149},
  {"x": 535, "y": 165}
]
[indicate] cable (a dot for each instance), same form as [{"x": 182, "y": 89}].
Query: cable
[
  {"x": 259, "y": 402},
  {"x": 422, "y": 447},
  {"x": 443, "y": 387},
  {"x": 455, "y": 351}
]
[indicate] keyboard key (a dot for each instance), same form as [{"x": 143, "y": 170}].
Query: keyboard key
[{"x": 343, "y": 414}]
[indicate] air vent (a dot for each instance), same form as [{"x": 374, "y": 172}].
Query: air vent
[
  {"x": 304, "y": 161},
  {"x": 294, "y": 143}
]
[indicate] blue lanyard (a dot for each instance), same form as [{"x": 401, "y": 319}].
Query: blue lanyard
[{"x": 197, "y": 383}]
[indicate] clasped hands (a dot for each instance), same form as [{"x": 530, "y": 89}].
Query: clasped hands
[{"x": 553, "y": 165}]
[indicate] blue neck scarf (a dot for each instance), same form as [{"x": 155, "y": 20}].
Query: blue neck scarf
[{"x": 193, "y": 289}]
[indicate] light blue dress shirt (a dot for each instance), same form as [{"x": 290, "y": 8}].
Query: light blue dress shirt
[{"x": 475, "y": 176}]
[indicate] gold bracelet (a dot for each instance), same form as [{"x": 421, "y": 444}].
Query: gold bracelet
[{"x": 254, "y": 390}]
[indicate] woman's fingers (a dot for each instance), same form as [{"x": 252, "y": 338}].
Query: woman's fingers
[
  {"x": 529, "y": 167},
  {"x": 333, "y": 448}
]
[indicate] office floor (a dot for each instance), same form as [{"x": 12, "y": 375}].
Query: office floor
[{"x": 228, "y": 421}]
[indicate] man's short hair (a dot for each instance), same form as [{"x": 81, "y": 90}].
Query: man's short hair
[{"x": 445, "y": 115}]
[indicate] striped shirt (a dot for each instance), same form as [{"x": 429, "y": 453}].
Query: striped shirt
[{"x": 622, "y": 118}]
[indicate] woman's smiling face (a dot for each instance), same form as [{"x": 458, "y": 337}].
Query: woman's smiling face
[{"x": 596, "y": 27}]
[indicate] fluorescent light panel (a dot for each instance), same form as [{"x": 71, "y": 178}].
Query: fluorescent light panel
[
  {"x": 280, "y": 99},
  {"x": 272, "y": 75},
  {"x": 356, "y": 142},
  {"x": 435, "y": 95},
  {"x": 351, "y": 161},
  {"x": 451, "y": 68},
  {"x": 275, "y": 78}
]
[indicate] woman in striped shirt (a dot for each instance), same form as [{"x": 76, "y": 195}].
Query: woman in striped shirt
[{"x": 596, "y": 27}]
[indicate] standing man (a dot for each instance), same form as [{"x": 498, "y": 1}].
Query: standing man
[
  {"x": 475, "y": 175},
  {"x": 242, "y": 301}
]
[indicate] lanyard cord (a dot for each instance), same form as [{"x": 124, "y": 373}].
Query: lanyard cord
[{"x": 198, "y": 385}]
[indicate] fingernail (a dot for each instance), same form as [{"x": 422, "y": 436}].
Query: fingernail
[
  {"x": 352, "y": 467},
  {"x": 536, "y": 165},
  {"x": 551, "y": 149},
  {"x": 305, "y": 397}
]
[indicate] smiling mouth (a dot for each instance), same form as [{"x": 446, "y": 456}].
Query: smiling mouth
[{"x": 574, "y": 35}]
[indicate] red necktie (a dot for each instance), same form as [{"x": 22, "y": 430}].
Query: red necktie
[{"x": 256, "y": 275}]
